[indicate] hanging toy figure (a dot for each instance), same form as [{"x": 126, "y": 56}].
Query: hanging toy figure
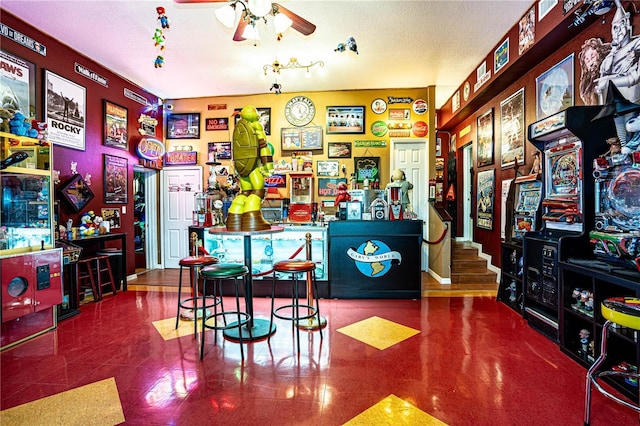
[
  {"x": 350, "y": 44},
  {"x": 252, "y": 159},
  {"x": 159, "y": 62},
  {"x": 159, "y": 38},
  {"x": 164, "y": 21}
]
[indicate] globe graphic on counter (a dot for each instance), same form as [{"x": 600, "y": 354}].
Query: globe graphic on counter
[{"x": 374, "y": 258}]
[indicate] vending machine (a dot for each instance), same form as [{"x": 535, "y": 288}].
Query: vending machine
[{"x": 569, "y": 141}]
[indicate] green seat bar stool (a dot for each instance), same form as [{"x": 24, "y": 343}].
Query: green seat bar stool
[
  {"x": 623, "y": 311},
  {"x": 218, "y": 320},
  {"x": 195, "y": 264},
  {"x": 292, "y": 312}
]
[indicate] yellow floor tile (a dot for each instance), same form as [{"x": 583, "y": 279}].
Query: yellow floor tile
[
  {"x": 166, "y": 328},
  {"x": 378, "y": 332},
  {"x": 96, "y": 404},
  {"x": 394, "y": 411}
]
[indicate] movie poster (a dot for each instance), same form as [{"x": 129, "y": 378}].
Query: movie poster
[
  {"x": 65, "y": 111},
  {"x": 17, "y": 84},
  {"x": 485, "y": 194}
]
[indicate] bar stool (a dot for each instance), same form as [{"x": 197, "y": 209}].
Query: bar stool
[
  {"x": 85, "y": 276},
  {"x": 104, "y": 265},
  {"x": 195, "y": 264},
  {"x": 291, "y": 312},
  {"x": 115, "y": 259},
  {"x": 218, "y": 320},
  {"x": 623, "y": 311}
]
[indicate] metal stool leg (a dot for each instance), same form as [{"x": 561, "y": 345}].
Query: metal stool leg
[
  {"x": 594, "y": 367},
  {"x": 179, "y": 293}
]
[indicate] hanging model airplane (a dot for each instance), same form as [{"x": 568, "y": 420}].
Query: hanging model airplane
[{"x": 248, "y": 17}]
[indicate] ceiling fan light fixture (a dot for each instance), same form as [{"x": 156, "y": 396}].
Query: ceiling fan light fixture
[
  {"x": 251, "y": 33},
  {"x": 281, "y": 23},
  {"x": 226, "y": 15},
  {"x": 259, "y": 8}
]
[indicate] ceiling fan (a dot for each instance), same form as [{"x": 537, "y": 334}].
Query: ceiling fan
[{"x": 254, "y": 11}]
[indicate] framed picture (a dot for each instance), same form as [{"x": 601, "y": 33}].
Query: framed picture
[
  {"x": 76, "y": 193},
  {"x": 219, "y": 151},
  {"x": 345, "y": 119},
  {"x": 512, "y": 129},
  {"x": 18, "y": 84},
  {"x": 116, "y": 180},
  {"x": 339, "y": 149},
  {"x": 554, "y": 88},
  {"x": 301, "y": 138},
  {"x": 111, "y": 215},
  {"x": 65, "y": 111},
  {"x": 183, "y": 126},
  {"x": 485, "y": 199},
  {"x": 328, "y": 168},
  {"x": 115, "y": 125},
  {"x": 265, "y": 118},
  {"x": 354, "y": 210},
  {"x": 328, "y": 187},
  {"x": 367, "y": 168},
  {"x": 485, "y": 138}
]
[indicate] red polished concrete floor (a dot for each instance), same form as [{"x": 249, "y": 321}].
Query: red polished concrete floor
[{"x": 473, "y": 361}]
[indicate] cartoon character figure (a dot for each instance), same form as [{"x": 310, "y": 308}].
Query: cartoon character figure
[
  {"x": 343, "y": 195},
  {"x": 159, "y": 62},
  {"x": 252, "y": 159},
  {"x": 159, "y": 38},
  {"x": 164, "y": 21}
]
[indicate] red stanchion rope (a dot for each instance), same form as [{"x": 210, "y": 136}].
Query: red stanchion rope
[
  {"x": 439, "y": 240},
  {"x": 260, "y": 274}
]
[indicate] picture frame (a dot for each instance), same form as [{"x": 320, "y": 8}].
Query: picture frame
[
  {"x": 555, "y": 89},
  {"x": 220, "y": 151},
  {"x": 116, "y": 180},
  {"x": 76, "y": 193},
  {"x": 328, "y": 186},
  {"x": 65, "y": 111},
  {"x": 301, "y": 138},
  {"x": 339, "y": 150},
  {"x": 183, "y": 126},
  {"x": 354, "y": 210},
  {"x": 512, "y": 130},
  {"x": 485, "y": 198},
  {"x": 485, "y": 138},
  {"x": 328, "y": 168},
  {"x": 345, "y": 120},
  {"x": 116, "y": 132},
  {"x": 111, "y": 215},
  {"x": 366, "y": 168},
  {"x": 20, "y": 79}
]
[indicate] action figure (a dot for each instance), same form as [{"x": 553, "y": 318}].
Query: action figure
[
  {"x": 398, "y": 179},
  {"x": 343, "y": 195},
  {"x": 252, "y": 159}
]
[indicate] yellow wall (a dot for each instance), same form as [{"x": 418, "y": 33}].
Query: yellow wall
[{"x": 278, "y": 121}]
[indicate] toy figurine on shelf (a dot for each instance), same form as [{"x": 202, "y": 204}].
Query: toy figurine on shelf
[
  {"x": 343, "y": 194},
  {"x": 586, "y": 345},
  {"x": 512, "y": 292}
]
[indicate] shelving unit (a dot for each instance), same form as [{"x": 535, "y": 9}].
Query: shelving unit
[
  {"x": 623, "y": 343},
  {"x": 510, "y": 291}
]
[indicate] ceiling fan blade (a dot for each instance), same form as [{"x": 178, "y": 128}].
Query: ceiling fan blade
[
  {"x": 200, "y": 1},
  {"x": 299, "y": 23},
  {"x": 242, "y": 24}
]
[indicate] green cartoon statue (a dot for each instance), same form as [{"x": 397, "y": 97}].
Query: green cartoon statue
[{"x": 253, "y": 160}]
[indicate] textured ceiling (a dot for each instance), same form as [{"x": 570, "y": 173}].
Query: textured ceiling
[{"x": 401, "y": 43}]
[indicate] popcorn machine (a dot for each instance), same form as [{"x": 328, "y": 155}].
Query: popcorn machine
[{"x": 301, "y": 206}]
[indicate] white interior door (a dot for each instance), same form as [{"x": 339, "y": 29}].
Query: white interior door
[
  {"x": 467, "y": 216},
  {"x": 411, "y": 155},
  {"x": 179, "y": 186}
]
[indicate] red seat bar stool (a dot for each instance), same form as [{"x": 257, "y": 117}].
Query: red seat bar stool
[
  {"x": 218, "y": 320},
  {"x": 623, "y": 311},
  {"x": 291, "y": 312},
  {"x": 195, "y": 264}
]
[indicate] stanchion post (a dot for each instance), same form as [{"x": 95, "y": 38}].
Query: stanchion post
[{"x": 311, "y": 323}]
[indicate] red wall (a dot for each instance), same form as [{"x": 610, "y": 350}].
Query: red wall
[{"x": 61, "y": 59}]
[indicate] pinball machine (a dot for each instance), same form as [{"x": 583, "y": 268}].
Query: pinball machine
[{"x": 569, "y": 141}]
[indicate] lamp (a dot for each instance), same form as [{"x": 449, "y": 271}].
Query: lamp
[
  {"x": 276, "y": 66},
  {"x": 252, "y": 12}
]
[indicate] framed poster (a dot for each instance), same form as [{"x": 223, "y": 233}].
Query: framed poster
[
  {"x": 111, "y": 215},
  {"x": 115, "y": 126},
  {"x": 301, "y": 138},
  {"x": 354, "y": 210},
  {"x": 18, "y": 84},
  {"x": 485, "y": 138},
  {"x": 219, "y": 151},
  {"x": 328, "y": 187},
  {"x": 512, "y": 129},
  {"x": 485, "y": 199},
  {"x": 183, "y": 126},
  {"x": 345, "y": 119},
  {"x": 116, "y": 180},
  {"x": 367, "y": 168},
  {"x": 328, "y": 168},
  {"x": 77, "y": 193},
  {"x": 65, "y": 111},
  {"x": 554, "y": 88},
  {"x": 339, "y": 149}
]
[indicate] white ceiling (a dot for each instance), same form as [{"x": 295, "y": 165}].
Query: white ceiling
[{"x": 402, "y": 44}]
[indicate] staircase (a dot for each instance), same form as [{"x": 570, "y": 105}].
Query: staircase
[{"x": 468, "y": 270}]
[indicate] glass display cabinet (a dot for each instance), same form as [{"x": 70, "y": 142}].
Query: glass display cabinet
[{"x": 31, "y": 267}]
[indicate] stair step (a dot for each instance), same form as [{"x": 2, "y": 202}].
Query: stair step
[
  {"x": 466, "y": 264},
  {"x": 474, "y": 277}
]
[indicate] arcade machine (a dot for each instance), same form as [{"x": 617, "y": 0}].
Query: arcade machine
[{"x": 569, "y": 142}]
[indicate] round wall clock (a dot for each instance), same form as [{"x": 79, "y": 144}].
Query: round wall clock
[{"x": 299, "y": 111}]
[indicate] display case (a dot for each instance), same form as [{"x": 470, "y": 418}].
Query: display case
[
  {"x": 511, "y": 290},
  {"x": 31, "y": 281},
  {"x": 301, "y": 207},
  {"x": 267, "y": 249}
]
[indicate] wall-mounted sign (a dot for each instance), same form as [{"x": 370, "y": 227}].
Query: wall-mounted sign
[
  {"x": 275, "y": 181},
  {"x": 135, "y": 97},
  {"x": 216, "y": 107},
  {"x": 181, "y": 158},
  {"x": 328, "y": 187},
  {"x": 150, "y": 149},
  {"x": 420, "y": 106},
  {"x": 217, "y": 124},
  {"x": 22, "y": 39},
  {"x": 91, "y": 75},
  {"x": 394, "y": 100},
  {"x": 147, "y": 125},
  {"x": 370, "y": 144},
  {"x": 367, "y": 168},
  {"x": 420, "y": 129}
]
